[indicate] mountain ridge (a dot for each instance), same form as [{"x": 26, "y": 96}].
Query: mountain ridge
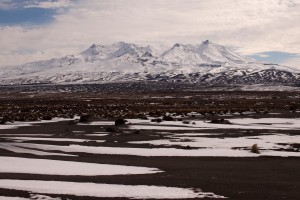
[{"x": 204, "y": 63}]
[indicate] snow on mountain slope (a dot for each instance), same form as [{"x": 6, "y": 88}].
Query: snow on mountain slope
[
  {"x": 130, "y": 62},
  {"x": 116, "y": 50},
  {"x": 215, "y": 53},
  {"x": 205, "y": 53}
]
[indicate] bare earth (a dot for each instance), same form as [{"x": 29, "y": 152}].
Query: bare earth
[{"x": 254, "y": 176}]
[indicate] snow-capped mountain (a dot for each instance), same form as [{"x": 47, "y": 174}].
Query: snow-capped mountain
[{"x": 204, "y": 63}]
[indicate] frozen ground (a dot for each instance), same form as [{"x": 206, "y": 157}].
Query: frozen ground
[
  {"x": 67, "y": 168},
  {"x": 14, "y": 125},
  {"x": 242, "y": 123},
  {"x": 13, "y": 148},
  {"x": 105, "y": 190},
  {"x": 268, "y": 144},
  {"x": 51, "y": 139},
  {"x": 127, "y": 163}
]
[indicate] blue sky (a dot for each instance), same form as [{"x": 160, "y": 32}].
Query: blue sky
[
  {"x": 32, "y": 30},
  {"x": 26, "y": 16},
  {"x": 30, "y": 12},
  {"x": 274, "y": 56}
]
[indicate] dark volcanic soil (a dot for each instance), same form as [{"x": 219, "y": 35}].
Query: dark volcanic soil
[
  {"x": 265, "y": 178},
  {"x": 236, "y": 178}
]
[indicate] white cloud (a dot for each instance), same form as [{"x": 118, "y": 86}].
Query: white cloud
[
  {"x": 262, "y": 55},
  {"x": 252, "y": 25},
  {"x": 49, "y": 4}
]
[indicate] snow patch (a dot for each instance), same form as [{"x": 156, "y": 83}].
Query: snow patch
[
  {"x": 15, "y": 149},
  {"x": 105, "y": 190},
  {"x": 51, "y": 139},
  {"x": 23, "y": 124},
  {"x": 67, "y": 168}
]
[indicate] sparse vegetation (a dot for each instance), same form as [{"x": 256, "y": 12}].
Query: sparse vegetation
[
  {"x": 255, "y": 149},
  {"x": 22, "y": 107},
  {"x": 6, "y": 119}
]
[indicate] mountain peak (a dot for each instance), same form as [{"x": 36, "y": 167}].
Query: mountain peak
[
  {"x": 93, "y": 45},
  {"x": 176, "y": 45},
  {"x": 207, "y": 42},
  {"x": 94, "y": 49},
  {"x": 130, "y": 62}
]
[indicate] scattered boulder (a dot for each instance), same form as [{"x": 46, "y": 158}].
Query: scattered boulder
[
  {"x": 168, "y": 118},
  {"x": 120, "y": 122},
  {"x": 220, "y": 121},
  {"x": 47, "y": 117},
  {"x": 85, "y": 118},
  {"x": 158, "y": 120},
  {"x": 186, "y": 122}
]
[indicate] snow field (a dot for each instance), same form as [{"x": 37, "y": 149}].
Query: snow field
[
  {"x": 67, "y": 168},
  {"x": 105, "y": 190}
]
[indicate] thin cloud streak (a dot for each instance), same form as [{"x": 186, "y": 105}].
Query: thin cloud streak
[
  {"x": 49, "y": 4},
  {"x": 7, "y": 4}
]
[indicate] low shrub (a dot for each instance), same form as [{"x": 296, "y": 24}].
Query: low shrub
[{"x": 255, "y": 149}]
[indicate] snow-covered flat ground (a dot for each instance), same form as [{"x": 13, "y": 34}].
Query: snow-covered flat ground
[
  {"x": 242, "y": 123},
  {"x": 12, "y": 198},
  {"x": 13, "y": 148},
  {"x": 51, "y": 139},
  {"x": 98, "y": 123},
  {"x": 268, "y": 144},
  {"x": 105, "y": 190},
  {"x": 72, "y": 155},
  {"x": 15, "y": 125},
  {"x": 224, "y": 150},
  {"x": 220, "y": 152},
  {"x": 67, "y": 168}
]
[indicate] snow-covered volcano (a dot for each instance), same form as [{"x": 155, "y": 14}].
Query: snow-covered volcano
[{"x": 206, "y": 62}]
